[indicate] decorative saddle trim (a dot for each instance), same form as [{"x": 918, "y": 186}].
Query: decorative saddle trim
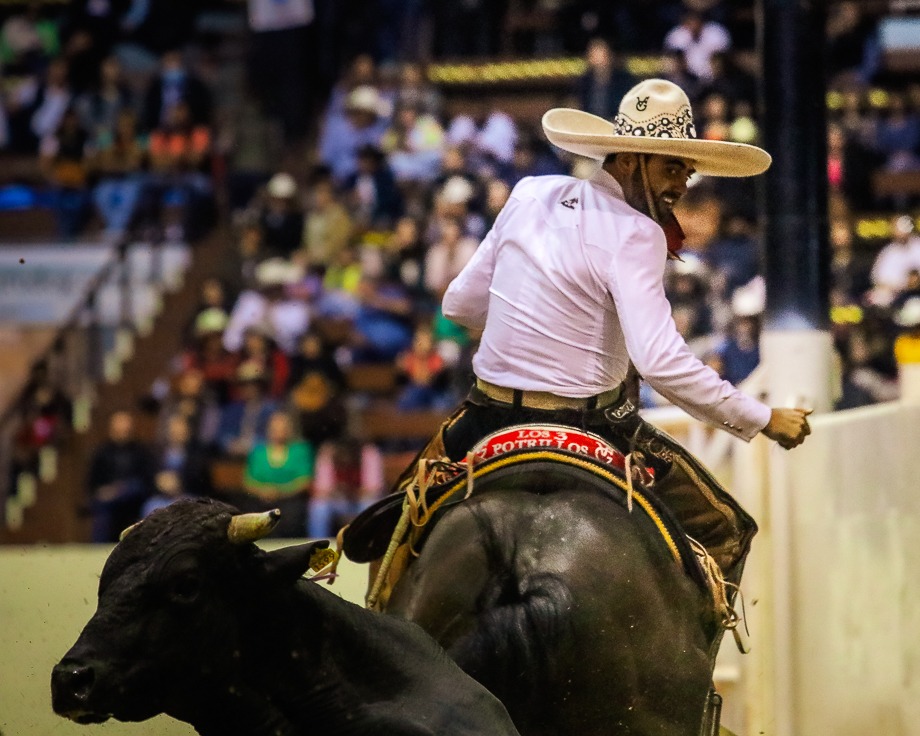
[
  {"x": 551, "y": 437},
  {"x": 447, "y": 491}
]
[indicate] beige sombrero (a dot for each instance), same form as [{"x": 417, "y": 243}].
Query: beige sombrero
[{"x": 654, "y": 117}]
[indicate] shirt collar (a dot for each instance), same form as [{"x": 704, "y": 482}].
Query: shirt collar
[{"x": 604, "y": 180}]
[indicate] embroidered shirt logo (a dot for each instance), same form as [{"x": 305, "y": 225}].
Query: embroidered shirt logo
[
  {"x": 570, "y": 203},
  {"x": 641, "y": 103}
]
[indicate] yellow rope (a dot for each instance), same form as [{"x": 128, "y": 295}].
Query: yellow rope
[
  {"x": 469, "y": 475},
  {"x": 387, "y": 561},
  {"x": 718, "y": 588}
]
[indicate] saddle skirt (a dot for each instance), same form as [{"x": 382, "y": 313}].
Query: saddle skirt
[{"x": 539, "y": 458}]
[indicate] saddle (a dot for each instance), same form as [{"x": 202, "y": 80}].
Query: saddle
[{"x": 537, "y": 458}]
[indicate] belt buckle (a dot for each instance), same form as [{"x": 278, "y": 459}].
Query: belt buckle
[{"x": 616, "y": 413}]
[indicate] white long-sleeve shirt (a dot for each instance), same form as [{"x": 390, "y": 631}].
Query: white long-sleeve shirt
[{"x": 567, "y": 287}]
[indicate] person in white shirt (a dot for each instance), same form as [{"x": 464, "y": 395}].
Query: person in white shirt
[
  {"x": 269, "y": 307},
  {"x": 567, "y": 290},
  {"x": 698, "y": 40},
  {"x": 895, "y": 261}
]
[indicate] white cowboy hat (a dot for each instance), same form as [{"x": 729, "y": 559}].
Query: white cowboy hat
[
  {"x": 654, "y": 117},
  {"x": 909, "y": 314},
  {"x": 278, "y": 272},
  {"x": 282, "y": 186},
  {"x": 366, "y": 98}
]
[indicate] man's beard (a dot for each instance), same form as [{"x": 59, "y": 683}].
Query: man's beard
[{"x": 638, "y": 200}]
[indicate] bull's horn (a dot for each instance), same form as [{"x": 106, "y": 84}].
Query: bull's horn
[
  {"x": 128, "y": 530},
  {"x": 250, "y": 527}
]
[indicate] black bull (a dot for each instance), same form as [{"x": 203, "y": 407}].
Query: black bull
[
  {"x": 195, "y": 621},
  {"x": 568, "y": 607}
]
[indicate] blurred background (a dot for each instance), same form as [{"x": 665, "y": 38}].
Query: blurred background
[{"x": 226, "y": 226}]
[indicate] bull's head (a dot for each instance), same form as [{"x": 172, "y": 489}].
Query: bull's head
[{"x": 175, "y": 598}]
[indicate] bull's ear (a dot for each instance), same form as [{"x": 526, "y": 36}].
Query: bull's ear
[{"x": 290, "y": 563}]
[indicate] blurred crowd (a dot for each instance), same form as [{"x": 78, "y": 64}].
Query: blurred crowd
[{"x": 341, "y": 255}]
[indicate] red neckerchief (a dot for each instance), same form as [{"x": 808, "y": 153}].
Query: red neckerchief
[{"x": 674, "y": 236}]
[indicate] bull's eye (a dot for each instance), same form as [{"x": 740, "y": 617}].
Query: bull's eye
[{"x": 185, "y": 589}]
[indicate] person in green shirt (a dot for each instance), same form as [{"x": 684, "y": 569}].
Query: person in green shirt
[{"x": 279, "y": 474}]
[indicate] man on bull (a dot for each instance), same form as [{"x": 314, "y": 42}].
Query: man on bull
[{"x": 567, "y": 290}]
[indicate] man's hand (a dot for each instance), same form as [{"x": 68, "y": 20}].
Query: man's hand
[{"x": 789, "y": 427}]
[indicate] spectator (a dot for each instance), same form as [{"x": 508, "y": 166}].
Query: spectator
[
  {"x": 315, "y": 386},
  {"x": 364, "y": 123},
  {"x": 46, "y": 415},
  {"x": 207, "y": 354},
  {"x": 27, "y": 41},
  {"x": 687, "y": 288},
  {"x": 447, "y": 257},
  {"x": 375, "y": 198},
  {"x": 740, "y": 352},
  {"x": 327, "y": 227},
  {"x": 212, "y": 295},
  {"x": 498, "y": 191},
  {"x": 101, "y": 107},
  {"x": 602, "y": 86},
  {"x": 349, "y": 477},
  {"x": 180, "y": 153},
  {"x": 895, "y": 261},
  {"x": 181, "y": 468},
  {"x": 279, "y": 474},
  {"x": 260, "y": 349},
  {"x": 849, "y": 165},
  {"x": 52, "y": 99},
  {"x": 676, "y": 70},
  {"x": 847, "y": 31},
  {"x": 698, "y": 39},
  {"x": 729, "y": 80},
  {"x": 898, "y": 136},
  {"x": 278, "y": 65},
  {"x": 362, "y": 72},
  {"x": 415, "y": 89},
  {"x": 714, "y": 122},
  {"x": 383, "y": 322},
  {"x": 175, "y": 84},
  {"x": 119, "y": 162},
  {"x": 404, "y": 258},
  {"x": 269, "y": 306},
  {"x": 733, "y": 255},
  {"x": 413, "y": 144},
  {"x": 850, "y": 267},
  {"x": 244, "y": 420},
  {"x": 191, "y": 399},
  {"x": 341, "y": 285},
  {"x": 532, "y": 157},
  {"x": 120, "y": 479},
  {"x": 65, "y": 159},
  {"x": 422, "y": 369},
  {"x": 863, "y": 382},
  {"x": 280, "y": 224},
  {"x": 487, "y": 134},
  {"x": 456, "y": 200}
]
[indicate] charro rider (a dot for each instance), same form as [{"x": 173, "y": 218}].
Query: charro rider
[{"x": 567, "y": 290}]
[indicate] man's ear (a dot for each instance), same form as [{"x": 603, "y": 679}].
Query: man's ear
[{"x": 627, "y": 162}]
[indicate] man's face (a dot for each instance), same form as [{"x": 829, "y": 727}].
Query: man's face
[{"x": 667, "y": 177}]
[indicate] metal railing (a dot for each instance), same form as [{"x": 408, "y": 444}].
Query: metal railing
[{"x": 88, "y": 348}]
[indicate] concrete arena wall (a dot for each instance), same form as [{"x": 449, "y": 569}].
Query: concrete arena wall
[
  {"x": 833, "y": 581},
  {"x": 47, "y": 594}
]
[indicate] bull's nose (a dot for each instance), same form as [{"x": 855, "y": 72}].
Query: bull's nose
[{"x": 71, "y": 682}]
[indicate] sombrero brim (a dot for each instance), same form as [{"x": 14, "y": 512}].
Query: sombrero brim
[{"x": 588, "y": 135}]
